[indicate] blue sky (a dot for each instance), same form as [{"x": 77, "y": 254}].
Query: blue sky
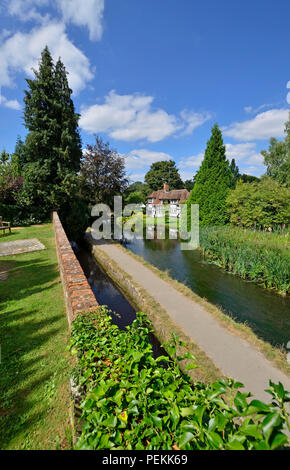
[{"x": 153, "y": 76}]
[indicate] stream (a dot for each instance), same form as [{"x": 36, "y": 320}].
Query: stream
[
  {"x": 267, "y": 313},
  {"x": 108, "y": 294}
]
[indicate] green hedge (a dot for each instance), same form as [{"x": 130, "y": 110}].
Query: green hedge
[
  {"x": 9, "y": 213},
  {"x": 20, "y": 215},
  {"x": 132, "y": 401}
]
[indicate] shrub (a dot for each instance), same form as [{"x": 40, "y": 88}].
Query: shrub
[
  {"x": 261, "y": 205},
  {"x": 130, "y": 400},
  {"x": 19, "y": 215}
]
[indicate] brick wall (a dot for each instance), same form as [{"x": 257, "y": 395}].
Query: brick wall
[{"x": 79, "y": 297}]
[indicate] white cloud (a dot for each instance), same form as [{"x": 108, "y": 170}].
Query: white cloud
[
  {"x": 21, "y": 52},
  {"x": 245, "y": 153},
  {"x": 84, "y": 13},
  {"x": 132, "y": 117},
  {"x": 193, "y": 120},
  {"x": 253, "y": 170},
  {"x": 138, "y": 162},
  {"x": 251, "y": 110},
  {"x": 129, "y": 118},
  {"x": 12, "y": 104},
  {"x": 191, "y": 162},
  {"x": 87, "y": 13},
  {"x": 26, "y": 10},
  {"x": 141, "y": 158},
  {"x": 263, "y": 126}
]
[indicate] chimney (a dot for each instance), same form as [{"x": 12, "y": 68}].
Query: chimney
[{"x": 166, "y": 187}]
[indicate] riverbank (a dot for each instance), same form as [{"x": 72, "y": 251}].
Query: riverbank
[
  {"x": 35, "y": 366},
  {"x": 259, "y": 256},
  {"x": 276, "y": 355},
  {"x": 245, "y": 362}
]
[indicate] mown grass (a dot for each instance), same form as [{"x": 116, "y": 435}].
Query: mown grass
[
  {"x": 34, "y": 370},
  {"x": 259, "y": 256}
]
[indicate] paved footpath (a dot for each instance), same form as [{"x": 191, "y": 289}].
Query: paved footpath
[
  {"x": 20, "y": 246},
  {"x": 234, "y": 356}
]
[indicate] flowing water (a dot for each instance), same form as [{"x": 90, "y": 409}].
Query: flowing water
[
  {"x": 267, "y": 313},
  {"x": 122, "y": 311}
]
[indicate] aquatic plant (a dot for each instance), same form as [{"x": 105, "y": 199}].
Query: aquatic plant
[
  {"x": 131, "y": 400},
  {"x": 263, "y": 257}
]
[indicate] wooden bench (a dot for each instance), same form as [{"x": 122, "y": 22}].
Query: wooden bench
[{"x": 4, "y": 226}]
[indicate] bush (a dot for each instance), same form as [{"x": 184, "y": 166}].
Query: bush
[
  {"x": 261, "y": 205},
  {"x": 130, "y": 400},
  {"x": 18, "y": 215}
]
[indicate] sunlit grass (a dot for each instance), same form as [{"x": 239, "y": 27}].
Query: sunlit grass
[{"x": 34, "y": 395}]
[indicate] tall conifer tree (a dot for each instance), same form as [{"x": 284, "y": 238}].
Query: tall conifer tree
[
  {"x": 212, "y": 182},
  {"x": 53, "y": 145}
]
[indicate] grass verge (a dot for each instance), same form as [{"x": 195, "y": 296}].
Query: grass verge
[{"x": 35, "y": 367}]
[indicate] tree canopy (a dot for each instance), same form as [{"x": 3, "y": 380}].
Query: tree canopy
[
  {"x": 103, "y": 173},
  {"x": 259, "y": 205},
  {"x": 277, "y": 158},
  {"x": 136, "y": 193},
  {"x": 163, "y": 172}
]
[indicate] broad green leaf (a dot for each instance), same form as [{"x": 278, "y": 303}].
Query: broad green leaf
[
  {"x": 271, "y": 421},
  {"x": 279, "y": 440},
  {"x": 185, "y": 438},
  {"x": 187, "y": 411}
]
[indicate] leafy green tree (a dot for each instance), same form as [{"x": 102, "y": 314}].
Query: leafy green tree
[
  {"x": 135, "y": 197},
  {"x": 188, "y": 184},
  {"x": 163, "y": 172},
  {"x": 140, "y": 190},
  {"x": 53, "y": 146},
  {"x": 261, "y": 205},
  {"x": 277, "y": 158},
  {"x": 103, "y": 173},
  {"x": 10, "y": 181},
  {"x": 212, "y": 182},
  {"x": 249, "y": 178}
]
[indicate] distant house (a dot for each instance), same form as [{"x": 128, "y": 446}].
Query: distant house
[{"x": 157, "y": 200}]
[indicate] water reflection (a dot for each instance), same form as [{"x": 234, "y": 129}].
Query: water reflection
[{"x": 106, "y": 293}]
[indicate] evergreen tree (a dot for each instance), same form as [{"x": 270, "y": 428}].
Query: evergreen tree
[
  {"x": 235, "y": 173},
  {"x": 19, "y": 155},
  {"x": 52, "y": 146},
  {"x": 212, "y": 182}
]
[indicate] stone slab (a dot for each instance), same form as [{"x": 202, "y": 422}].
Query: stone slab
[{"x": 20, "y": 246}]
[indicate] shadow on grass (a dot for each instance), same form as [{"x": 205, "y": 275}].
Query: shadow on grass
[
  {"x": 25, "y": 278},
  {"x": 28, "y": 341}
]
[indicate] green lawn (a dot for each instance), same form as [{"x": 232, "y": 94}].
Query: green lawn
[{"x": 34, "y": 368}]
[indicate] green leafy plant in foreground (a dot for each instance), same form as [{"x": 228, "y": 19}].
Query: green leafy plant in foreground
[{"x": 131, "y": 400}]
